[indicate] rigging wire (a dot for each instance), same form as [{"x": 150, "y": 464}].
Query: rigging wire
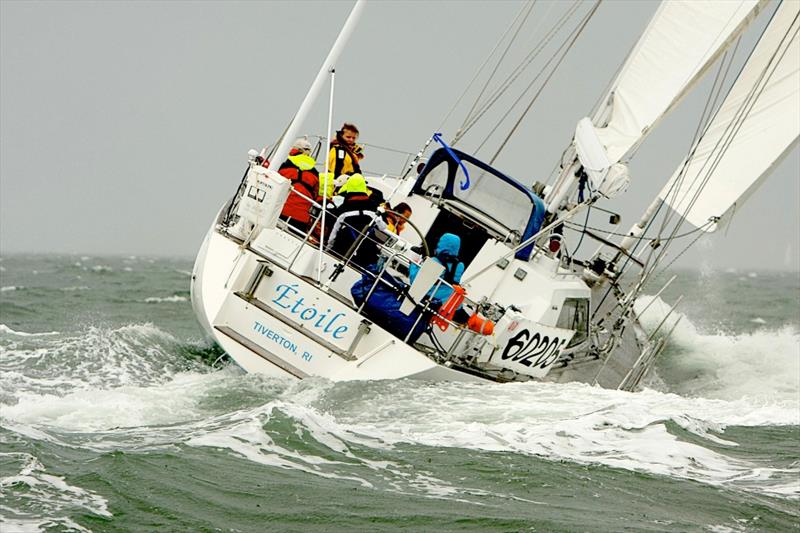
[
  {"x": 518, "y": 71},
  {"x": 530, "y": 56},
  {"x": 642, "y": 276},
  {"x": 532, "y": 82},
  {"x": 480, "y": 69},
  {"x": 578, "y": 227},
  {"x": 576, "y": 34},
  {"x": 741, "y": 115},
  {"x": 709, "y": 111},
  {"x": 497, "y": 65},
  {"x": 702, "y": 124}
]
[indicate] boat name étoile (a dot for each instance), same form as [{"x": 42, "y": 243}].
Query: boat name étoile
[{"x": 288, "y": 298}]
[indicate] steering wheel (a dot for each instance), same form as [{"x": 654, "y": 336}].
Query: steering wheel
[{"x": 421, "y": 236}]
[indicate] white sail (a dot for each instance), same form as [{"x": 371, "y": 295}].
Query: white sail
[
  {"x": 756, "y": 125},
  {"x": 682, "y": 40}
]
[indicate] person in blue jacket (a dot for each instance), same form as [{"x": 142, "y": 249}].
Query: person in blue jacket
[{"x": 446, "y": 253}]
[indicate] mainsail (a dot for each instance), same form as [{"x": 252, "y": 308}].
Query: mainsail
[
  {"x": 682, "y": 40},
  {"x": 755, "y": 127}
]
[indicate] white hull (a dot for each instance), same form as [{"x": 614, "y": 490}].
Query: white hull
[
  {"x": 263, "y": 338},
  {"x": 222, "y": 314}
]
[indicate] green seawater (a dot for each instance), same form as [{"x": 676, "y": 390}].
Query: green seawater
[{"x": 117, "y": 415}]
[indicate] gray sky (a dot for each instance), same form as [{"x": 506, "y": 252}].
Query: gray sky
[{"x": 125, "y": 125}]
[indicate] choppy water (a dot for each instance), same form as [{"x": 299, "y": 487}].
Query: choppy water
[{"x": 113, "y": 417}]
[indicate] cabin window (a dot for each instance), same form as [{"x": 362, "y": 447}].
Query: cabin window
[
  {"x": 487, "y": 193},
  {"x": 575, "y": 315}
]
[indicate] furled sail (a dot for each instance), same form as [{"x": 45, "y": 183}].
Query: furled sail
[
  {"x": 754, "y": 128},
  {"x": 682, "y": 40}
]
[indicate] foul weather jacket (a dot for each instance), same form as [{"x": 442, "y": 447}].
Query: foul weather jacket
[{"x": 305, "y": 180}]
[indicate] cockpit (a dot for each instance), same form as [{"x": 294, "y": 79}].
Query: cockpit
[{"x": 478, "y": 201}]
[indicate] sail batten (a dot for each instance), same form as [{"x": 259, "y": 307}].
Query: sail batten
[
  {"x": 682, "y": 41},
  {"x": 757, "y": 125}
]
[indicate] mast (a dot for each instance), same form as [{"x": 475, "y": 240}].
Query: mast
[{"x": 316, "y": 86}]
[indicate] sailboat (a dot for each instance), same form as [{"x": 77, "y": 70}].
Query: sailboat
[{"x": 281, "y": 301}]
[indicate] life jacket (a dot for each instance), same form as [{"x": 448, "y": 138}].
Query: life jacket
[
  {"x": 300, "y": 170},
  {"x": 355, "y": 216},
  {"x": 341, "y": 161}
]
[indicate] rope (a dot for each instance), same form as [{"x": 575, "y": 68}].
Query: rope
[
  {"x": 464, "y": 184},
  {"x": 575, "y": 227}
]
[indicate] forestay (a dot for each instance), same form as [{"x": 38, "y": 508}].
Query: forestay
[
  {"x": 755, "y": 127},
  {"x": 682, "y": 40}
]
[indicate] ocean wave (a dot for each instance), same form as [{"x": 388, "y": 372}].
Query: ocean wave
[
  {"x": 334, "y": 430},
  {"x": 574, "y": 423},
  {"x": 102, "y": 409},
  {"x": 95, "y": 358},
  {"x": 761, "y": 365},
  {"x": 9, "y": 288},
  {"x": 34, "y": 492}
]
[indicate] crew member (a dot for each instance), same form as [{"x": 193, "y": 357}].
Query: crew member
[
  {"x": 343, "y": 158},
  {"x": 446, "y": 254},
  {"x": 396, "y": 217},
  {"x": 299, "y": 168}
]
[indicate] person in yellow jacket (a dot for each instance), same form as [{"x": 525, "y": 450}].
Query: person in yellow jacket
[{"x": 343, "y": 159}]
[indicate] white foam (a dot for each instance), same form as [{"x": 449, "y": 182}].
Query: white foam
[
  {"x": 8, "y": 330},
  {"x": 9, "y": 288},
  {"x": 247, "y": 438},
  {"x": 763, "y": 365},
  {"x": 569, "y": 422},
  {"x": 127, "y": 406},
  {"x": 23, "y": 525},
  {"x": 98, "y": 358},
  {"x": 166, "y": 299},
  {"x": 49, "y": 494}
]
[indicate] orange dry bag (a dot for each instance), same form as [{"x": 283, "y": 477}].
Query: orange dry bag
[{"x": 480, "y": 325}]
